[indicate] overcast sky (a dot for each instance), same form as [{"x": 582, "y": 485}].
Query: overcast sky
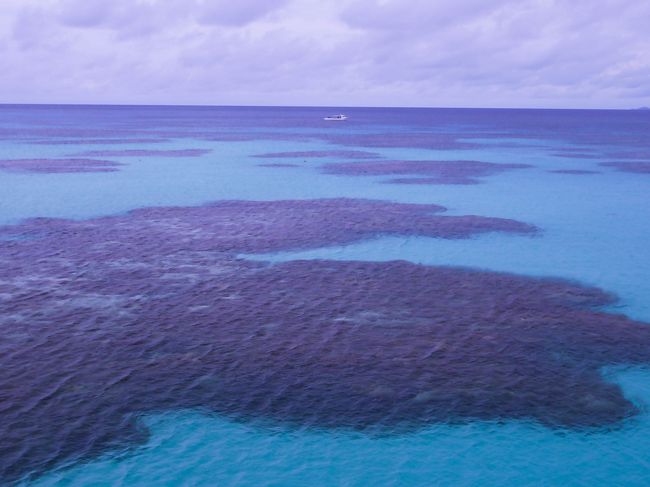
[{"x": 469, "y": 53}]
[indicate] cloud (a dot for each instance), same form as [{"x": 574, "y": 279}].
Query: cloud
[
  {"x": 413, "y": 17},
  {"x": 554, "y": 53},
  {"x": 121, "y": 14},
  {"x": 235, "y": 13},
  {"x": 87, "y": 13}
]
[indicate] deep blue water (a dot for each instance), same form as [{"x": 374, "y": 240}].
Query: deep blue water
[{"x": 593, "y": 226}]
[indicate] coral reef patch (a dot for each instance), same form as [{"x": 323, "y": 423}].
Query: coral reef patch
[
  {"x": 637, "y": 167},
  {"x": 58, "y": 165},
  {"x": 343, "y": 154},
  {"x": 577, "y": 172},
  {"x": 145, "y": 153},
  {"x": 107, "y": 319},
  {"x": 437, "y": 172}
]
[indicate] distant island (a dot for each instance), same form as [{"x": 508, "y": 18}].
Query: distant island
[{"x": 643, "y": 108}]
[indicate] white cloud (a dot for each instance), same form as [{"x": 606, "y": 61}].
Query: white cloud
[{"x": 351, "y": 52}]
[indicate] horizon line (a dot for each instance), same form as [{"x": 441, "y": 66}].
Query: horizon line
[{"x": 193, "y": 105}]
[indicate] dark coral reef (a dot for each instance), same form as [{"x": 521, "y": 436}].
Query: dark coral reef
[
  {"x": 107, "y": 319},
  {"x": 58, "y": 165},
  {"x": 437, "y": 172}
]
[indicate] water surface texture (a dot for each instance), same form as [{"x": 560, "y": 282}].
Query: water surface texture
[{"x": 254, "y": 296}]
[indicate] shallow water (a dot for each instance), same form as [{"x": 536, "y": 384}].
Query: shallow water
[{"x": 593, "y": 230}]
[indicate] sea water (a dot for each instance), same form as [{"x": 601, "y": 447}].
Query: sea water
[{"x": 595, "y": 230}]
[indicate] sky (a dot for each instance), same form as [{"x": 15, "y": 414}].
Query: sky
[{"x": 434, "y": 53}]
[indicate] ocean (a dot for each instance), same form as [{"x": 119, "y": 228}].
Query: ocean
[{"x": 256, "y": 296}]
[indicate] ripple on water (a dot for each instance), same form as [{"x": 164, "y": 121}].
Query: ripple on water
[{"x": 152, "y": 311}]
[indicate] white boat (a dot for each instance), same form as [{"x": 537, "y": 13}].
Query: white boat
[{"x": 336, "y": 118}]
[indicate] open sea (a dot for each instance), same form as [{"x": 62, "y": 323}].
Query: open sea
[{"x": 217, "y": 296}]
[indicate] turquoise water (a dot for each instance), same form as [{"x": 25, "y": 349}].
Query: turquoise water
[
  {"x": 188, "y": 448},
  {"x": 595, "y": 230}
]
